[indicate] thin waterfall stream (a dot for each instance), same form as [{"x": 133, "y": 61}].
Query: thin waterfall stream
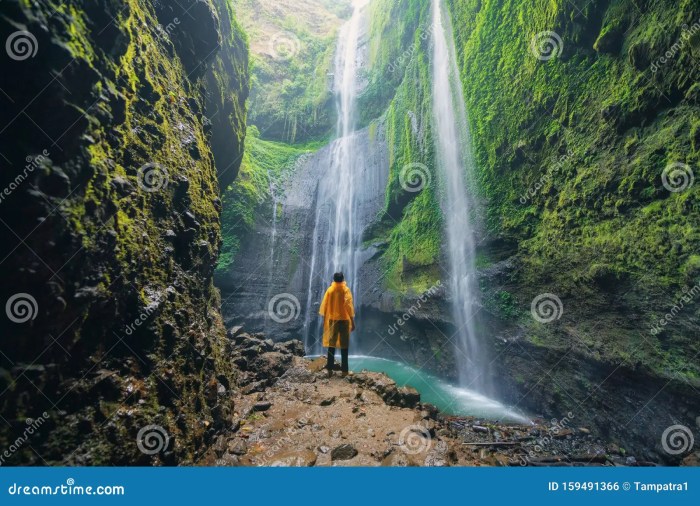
[
  {"x": 337, "y": 232},
  {"x": 454, "y": 163}
]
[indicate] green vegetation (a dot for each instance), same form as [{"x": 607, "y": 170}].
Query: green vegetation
[
  {"x": 570, "y": 153},
  {"x": 399, "y": 86},
  {"x": 601, "y": 125},
  {"x": 292, "y": 47},
  {"x": 134, "y": 221},
  {"x": 265, "y": 166}
]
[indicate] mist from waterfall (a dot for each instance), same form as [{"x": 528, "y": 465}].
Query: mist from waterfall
[
  {"x": 454, "y": 163},
  {"x": 337, "y": 230}
]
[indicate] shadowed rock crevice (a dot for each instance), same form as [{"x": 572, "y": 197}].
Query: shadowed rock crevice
[{"x": 113, "y": 226}]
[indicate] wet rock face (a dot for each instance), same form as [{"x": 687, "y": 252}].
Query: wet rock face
[
  {"x": 386, "y": 388},
  {"x": 619, "y": 403},
  {"x": 267, "y": 279},
  {"x": 112, "y": 228},
  {"x": 261, "y": 362}
]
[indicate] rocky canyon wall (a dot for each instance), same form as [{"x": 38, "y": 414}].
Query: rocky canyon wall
[{"x": 116, "y": 118}]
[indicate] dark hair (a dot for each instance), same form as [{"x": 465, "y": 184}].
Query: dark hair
[{"x": 338, "y": 277}]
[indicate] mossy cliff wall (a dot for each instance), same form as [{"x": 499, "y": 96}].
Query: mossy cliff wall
[
  {"x": 576, "y": 151},
  {"x": 111, "y": 227},
  {"x": 571, "y": 150}
]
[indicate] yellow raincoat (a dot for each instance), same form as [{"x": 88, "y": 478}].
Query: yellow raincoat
[{"x": 337, "y": 309}]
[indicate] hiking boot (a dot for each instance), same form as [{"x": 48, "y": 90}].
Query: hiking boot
[{"x": 345, "y": 374}]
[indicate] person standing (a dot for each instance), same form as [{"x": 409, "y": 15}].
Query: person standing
[{"x": 338, "y": 322}]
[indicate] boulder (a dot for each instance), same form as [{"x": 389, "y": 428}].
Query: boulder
[
  {"x": 343, "y": 452},
  {"x": 328, "y": 401},
  {"x": 294, "y": 347},
  {"x": 408, "y": 397},
  {"x": 270, "y": 365},
  {"x": 237, "y": 446},
  {"x": 262, "y": 406},
  {"x": 234, "y": 332}
]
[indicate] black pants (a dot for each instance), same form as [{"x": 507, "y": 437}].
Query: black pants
[{"x": 330, "y": 363}]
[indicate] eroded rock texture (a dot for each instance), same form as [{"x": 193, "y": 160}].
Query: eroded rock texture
[{"x": 111, "y": 226}]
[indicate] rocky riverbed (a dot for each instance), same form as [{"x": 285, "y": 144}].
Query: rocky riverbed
[{"x": 289, "y": 413}]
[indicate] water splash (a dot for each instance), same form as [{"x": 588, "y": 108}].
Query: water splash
[
  {"x": 454, "y": 161},
  {"x": 449, "y": 399}
]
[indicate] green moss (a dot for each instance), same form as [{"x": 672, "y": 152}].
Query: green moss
[
  {"x": 128, "y": 101},
  {"x": 592, "y": 130},
  {"x": 265, "y": 166},
  {"x": 291, "y": 99}
]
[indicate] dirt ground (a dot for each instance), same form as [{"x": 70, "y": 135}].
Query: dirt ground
[{"x": 307, "y": 419}]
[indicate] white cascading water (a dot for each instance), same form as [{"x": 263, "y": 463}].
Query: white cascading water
[
  {"x": 454, "y": 160},
  {"x": 273, "y": 239},
  {"x": 337, "y": 231}
]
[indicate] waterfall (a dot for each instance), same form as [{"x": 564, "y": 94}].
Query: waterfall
[
  {"x": 454, "y": 163},
  {"x": 273, "y": 237},
  {"x": 337, "y": 230}
]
